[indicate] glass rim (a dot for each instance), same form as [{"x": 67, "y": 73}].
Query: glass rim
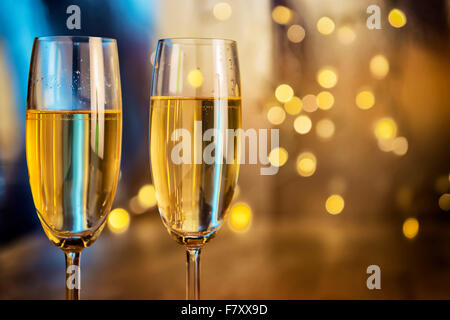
[
  {"x": 196, "y": 40},
  {"x": 73, "y": 38}
]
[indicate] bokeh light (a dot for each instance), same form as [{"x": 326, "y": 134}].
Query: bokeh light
[
  {"x": 365, "y": 99},
  {"x": 310, "y": 103},
  {"x": 296, "y": 33},
  {"x": 325, "y": 25},
  {"x": 400, "y": 146},
  {"x": 410, "y": 228},
  {"x": 195, "y": 78},
  {"x": 325, "y": 128},
  {"x": 136, "y": 206},
  {"x": 222, "y": 11},
  {"x": 444, "y": 202},
  {"x": 306, "y": 164},
  {"x": 284, "y": 93},
  {"x": 302, "y": 124},
  {"x": 118, "y": 220},
  {"x": 327, "y": 77},
  {"x": 293, "y": 106},
  {"x": 397, "y": 18},
  {"x": 325, "y": 100},
  {"x": 147, "y": 196},
  {"x": 278, "y": 157},
  {"x": 385, "y": 145},
  {"x": 379, "y": 66},
  {"x": 385, "y": 129},
  {"x": 240, "y": 217},
  {"x": 335, "y": 204},
  {"x": 346, "y": 35},
  {"x": 276, "y": 115},
  {"x": 347, "y": 114},
  {"x": 281, "y": 15}
]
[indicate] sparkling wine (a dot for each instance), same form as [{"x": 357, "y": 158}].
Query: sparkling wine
[
  {"x": 73, "y": 162},
  {"x": 193, "y": 197}
]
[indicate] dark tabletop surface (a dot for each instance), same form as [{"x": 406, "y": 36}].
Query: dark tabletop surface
[{"x": 304, "y": 260}]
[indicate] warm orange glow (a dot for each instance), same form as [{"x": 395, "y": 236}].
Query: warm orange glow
[
  {"x": 310, "y": 103},
  {"x": 222, "y": 11},
  {"x": 385, "y": 145},
  {"x": 379, "y": 66},
  {"x": 147, "y": 196},
  {"x": 327, "y": 77},
  {"x": 325, "y": 100},
  {"x": 296, "y": 33},
  {"x": 284, "y": 93},
  {"x": 281, "y": 15},
  {"x": 293, "y": 106},
  {"x": 276, "y": 115},
  {"x": 365, "y": 99},
  {"x": 118, "y": 220},
  {"x": 410, "y": 228},
  {"x": 397, "y": 18},
  {"x": 195, "y": 78},
  {"x": 306, "y": 164},
  {"x": 400, "y": 146},
  {"x": 325, "y": 128},
  {"x": 240, "y": 217},
  {"x": 278, "y": 157},
  {"x": 386, "y": 129},
  {"x": 334, "y": 204},
  {"x": 325, "y": 25},
  {"x": 302, "y": 124},
  {"x": 346, "y": 35},
  {"x": 444, "y": 202}
]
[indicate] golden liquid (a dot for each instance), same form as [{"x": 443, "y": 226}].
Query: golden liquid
[
  {"x": 194, "y": 197},
  {"x": 73, "y": 162}
]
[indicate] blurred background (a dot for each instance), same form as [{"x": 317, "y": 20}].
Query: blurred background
[{"x": 364, "y": 152}]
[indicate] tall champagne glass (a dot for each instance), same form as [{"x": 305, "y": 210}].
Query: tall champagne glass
[
  {"x": 73, "y": 141},
  {"x": 194, "y": 141}
]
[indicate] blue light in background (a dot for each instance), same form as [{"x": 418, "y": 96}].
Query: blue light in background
[
  {"x": 21, "y": 22},
  {"x": 135, "y": 14},
  {"x": 132, "y": 23}
]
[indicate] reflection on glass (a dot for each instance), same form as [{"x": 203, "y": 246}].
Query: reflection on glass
[
  {"x": 194, "y": 144},
  {"x": 73, "y": 141}
]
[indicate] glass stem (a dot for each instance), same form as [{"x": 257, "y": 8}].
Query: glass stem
[
  {"x": 73, "y": 275},
  {"x": 193, "y": 274}
]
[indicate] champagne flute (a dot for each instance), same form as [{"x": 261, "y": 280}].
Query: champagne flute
[
  {"x": 73, "y": 141},
  {"x": 194, "y": 140}
]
